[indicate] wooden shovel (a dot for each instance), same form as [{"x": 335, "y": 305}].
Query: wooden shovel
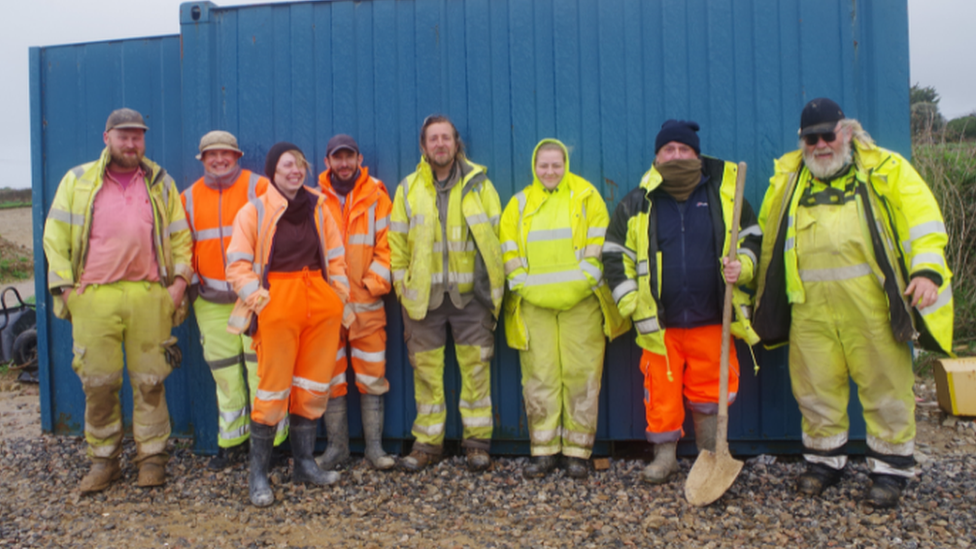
[{"x": 714, "y": 472}]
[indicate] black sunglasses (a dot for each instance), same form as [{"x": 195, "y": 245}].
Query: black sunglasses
[{"x": 813, "y": 138}]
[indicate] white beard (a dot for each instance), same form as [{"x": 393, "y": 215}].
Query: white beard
[{"x": 824, "y": 168}]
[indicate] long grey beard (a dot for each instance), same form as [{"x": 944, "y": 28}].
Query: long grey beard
[{"x": 824, "y": 170}]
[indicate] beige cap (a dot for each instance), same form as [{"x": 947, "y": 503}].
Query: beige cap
[
  {"x": 218, "y": 140},
  {"x": 125, "y": 118}
]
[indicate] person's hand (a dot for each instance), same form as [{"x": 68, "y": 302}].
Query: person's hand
[
  {"x": 924, "y": 292},
  {"x": 731, "y": 269},
  {"x": 176, "y": 291}
]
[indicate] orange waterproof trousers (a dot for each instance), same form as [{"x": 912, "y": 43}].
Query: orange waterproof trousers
[
  {"x": 368, "y": 354},
  {"x": 694, "y": 357},
  {"x": 296, "y": 343}
]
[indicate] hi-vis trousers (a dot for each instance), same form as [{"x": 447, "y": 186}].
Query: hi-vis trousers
[
  {"x": 105, "y": 319},
  {"x": 474, "y": 344},
  {"x": 234, "y": 366}
]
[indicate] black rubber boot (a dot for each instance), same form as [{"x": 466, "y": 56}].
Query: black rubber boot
[
  {"x": 817, "y": 478},
  {"x": 885, "y": 490},
  {"x": 302, "y": 444},
  {"x": 539, "y": 466},
  {"x": 262, "y": 441},
  {"x": 372, "y": 407},
  {"x": 337, "y": 428},
  {"x": 577, "y": 467}
]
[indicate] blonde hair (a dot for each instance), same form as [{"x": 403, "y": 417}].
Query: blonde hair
[{"x": 551, "y": 146}]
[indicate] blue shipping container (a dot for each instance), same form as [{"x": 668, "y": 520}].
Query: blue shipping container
[{"x": 599, "y": 75}]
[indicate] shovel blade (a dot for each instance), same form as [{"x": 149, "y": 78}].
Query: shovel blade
[{"x": 712, "y": 474}]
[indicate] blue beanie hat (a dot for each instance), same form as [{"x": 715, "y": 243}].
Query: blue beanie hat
[{"x": 682, "y": 131}]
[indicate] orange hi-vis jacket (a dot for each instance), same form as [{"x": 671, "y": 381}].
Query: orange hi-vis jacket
[
  {"x": 210, "y": 212},
  {"x": 364, "y": 222},
  {"x": 250, "y": 251}
]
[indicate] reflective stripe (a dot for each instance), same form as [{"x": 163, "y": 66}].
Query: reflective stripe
[
  {"x": 432, "y": 430},
  {"x": 482, "y": 403},
  {"x": 647, "y": 325},
  {"x": 406, "y": 193},
  {"x": 613, "y": 247},
  {"x": 106, "y": 431},
  {"x": 382, "y": 223},
  {"x": 340, "y": 354},
  {"x": 584, "y": 440},
  {"x": 236, "y": 433},
  {"x": 272, "y": 395},
  {"x": 593, "y": 250},
  {"x": 399, "y": 274},
  {"x": 377, "y": 356},
  {"x": 748, "y": 253},
  {"x": 338, "y": 380},
  {"x": 835, "y": 273},
  {"x": 371, "y": 224},
  {"x": 928, "y": 257},
  {"x": 223, "y": 362},
  {"x": 544, "y": 436},
  {"x": 495, "y": 219},
  {"x": 466, "y": 246},
  {"x": 212, "y": 234},
  {"x": 399, "y": 227},
  {"x": 592, "y": 270},
  {"x": 751, "y": 230},
  {"x": 178, "y": 225},
  {"x": 925, "y": 229},
  {"x": 623, "y": 289},
  {"x": 549, "y": 234},
  {"x": 248, "y": 289},
  {"x": 240, "y": 256},
  {"x": 252, "y": 185},
  {"x": 890, "y": 448},
  {"x": 309, "y": 385},
  {"x": 476, "y": 421},
  {"x": 417, "y": 220},
  {"x": 232, "y": 416},
  {"x": 67, "y": 217},
  {"x": 359, "y": 239},
  {"x": 596, "y": 232},
  {"x": 380, "y": 270},
  {"x": 237, "y": 322},
  {"x": 430, "y": 408},
  {"x": 940, "y": 302},
  {"x": 257, "y": 268},
  {"x": 364, "y": 307},
  {"x": 517, "y": 280},
  {"x": 554, "y": 278},
  {"x": 642, "y": 268},
  {"x": 509, "y": 246},
  {"x": 460, "y": 278},
  {"x": 375, "y": 382},
  {"x": 498, "y": 293},
  {"x": 513, "y": 265},
  {"x": 338, "y": 251},
  {"x": 790, "y": 243},
  {"x": 339, "y": 278},
  {"x": 824, "y": 444},
  {"x": 437, "y": 247},
  {"x": 477, "y": 218},
  {"x": 215, "y": 284}
]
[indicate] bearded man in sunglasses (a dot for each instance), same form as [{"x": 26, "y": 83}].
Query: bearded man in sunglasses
[{"x": 852, "y": 271}]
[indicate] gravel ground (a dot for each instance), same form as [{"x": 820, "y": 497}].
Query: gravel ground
[{"x": 446, "y": 506}]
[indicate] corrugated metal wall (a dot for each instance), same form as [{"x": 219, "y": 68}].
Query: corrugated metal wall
[{"x": 599, "y": 75}]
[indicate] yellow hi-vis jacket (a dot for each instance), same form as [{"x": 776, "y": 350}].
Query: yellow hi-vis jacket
[
  {"x": 633, "y": 260},
  {"x": 417, "y": 245},
  {"x": 908, "y": 237},
  {"x": 68, "y": 227},
  {"x": 560, "y": 286}
]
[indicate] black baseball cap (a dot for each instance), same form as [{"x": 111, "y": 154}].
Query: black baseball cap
[
  {"x": 339, "y": 142},
  {"x": 820, "y": 116}
]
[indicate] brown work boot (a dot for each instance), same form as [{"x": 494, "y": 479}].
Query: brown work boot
[
  {"x": 478, "y": 459},
  {"x": 418, "y": 460},
  {"x": 151, "y": 474},
  {"x": 102, "y": 473}
]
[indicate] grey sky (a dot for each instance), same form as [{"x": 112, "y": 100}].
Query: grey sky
[{"x": 942, "y": 45}]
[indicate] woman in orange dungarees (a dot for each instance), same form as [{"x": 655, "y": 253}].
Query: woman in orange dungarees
[{"x": 287, "y": 264}]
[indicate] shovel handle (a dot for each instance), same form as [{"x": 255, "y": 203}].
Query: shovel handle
[{"x": 722, "y": 423}]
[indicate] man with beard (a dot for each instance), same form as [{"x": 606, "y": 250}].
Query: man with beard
[
  {"x": 211, "y": 204},
  {"x": 447, "y": 270},
  {"x": 360, "y": 205},
  {"x": 665, "y": 257},
  {"x": 118, "y": 249},
  {"x": 852, "y": 269}
]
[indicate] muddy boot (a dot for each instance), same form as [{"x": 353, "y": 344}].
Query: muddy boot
[
  {"x": 664, "y": 465},
  {"x": 539, "y": 466},
  {"x": 421, "y": 457},
  {"x": 103, "y": 473},
  {"x": 302, "y": 444},
  {"x": 372, "y": 407},
  {"x": 152, "y": 471},
  {"x": 705, "y": 431},
  {"x": 262, "y": 441},
  {"x": 885, "y": 490},
  {"x": 478, "y": 459},
  {"x": 337, "y": 429},
  {"x": 817, "y": 478},
  {"x": 577, "y": 467}
]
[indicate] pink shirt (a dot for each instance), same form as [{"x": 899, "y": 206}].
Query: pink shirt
[{"x": 120, "y": 244}]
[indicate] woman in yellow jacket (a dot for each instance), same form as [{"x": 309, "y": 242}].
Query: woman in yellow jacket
[
  {"x": 552, "y": 237},
  {"x": 287, "y": 265}
]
